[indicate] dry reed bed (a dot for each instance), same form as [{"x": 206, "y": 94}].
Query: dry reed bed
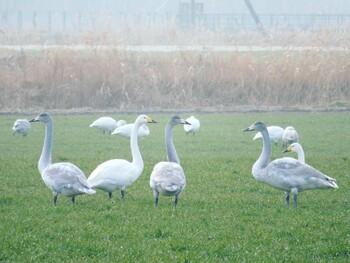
[{"x": 64, "y": 79}]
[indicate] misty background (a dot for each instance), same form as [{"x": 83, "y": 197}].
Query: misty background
[
  {"x": 67, "y": 16},
  {"x": 164, "y": 55}
]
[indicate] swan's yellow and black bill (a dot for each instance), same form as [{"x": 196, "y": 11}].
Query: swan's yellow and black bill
[
  {"x": 150, "y": 120},
  {"x": 289, "y": 149}
]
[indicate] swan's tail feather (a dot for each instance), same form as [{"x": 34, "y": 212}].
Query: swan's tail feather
[
  {"x": 172, "y": 188},
  {"x": 332, "y": 182},
  {"x": 88, "y": 191}
]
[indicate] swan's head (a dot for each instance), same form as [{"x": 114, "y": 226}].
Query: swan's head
[
  {"x": 294, "y": 147},
  {"x": 176, "y": 119},
  {"x": 43, "y": 117},
  {"x": 143, "y": 119},
  {"x": 257, "y": 126}
]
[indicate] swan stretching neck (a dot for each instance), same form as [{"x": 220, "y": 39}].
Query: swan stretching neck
[
  {"x": 168, "y": 178},
  {"x": 119, "y": 173},
  {"x": 64, "y": 178}
]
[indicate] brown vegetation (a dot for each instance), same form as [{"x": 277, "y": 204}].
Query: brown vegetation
[{"x": 129, "y": 81}]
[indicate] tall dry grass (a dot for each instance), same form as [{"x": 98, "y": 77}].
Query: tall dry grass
[{"x": 125, "y": 80}]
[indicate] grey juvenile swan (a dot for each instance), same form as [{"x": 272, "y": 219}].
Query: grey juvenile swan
[
  {"x": 64, "y": 178},
  {"x": 286, "y": 174},
  {"x": 290, "y": 135},
  {"x": 168, "y": 178},
  {"x": 21, "y": 126}
]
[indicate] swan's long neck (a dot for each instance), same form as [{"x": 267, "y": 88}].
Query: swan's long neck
[
  {"x": 170, "y": 148},
  {"x": 266, "y": 152},
  {"x": 135, "y": 151},
  {"x": 301, "y": 156},
  {"x": 45, "y": 158}
]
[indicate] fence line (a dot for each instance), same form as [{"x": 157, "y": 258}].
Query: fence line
[{"x": 77, "y": 22}]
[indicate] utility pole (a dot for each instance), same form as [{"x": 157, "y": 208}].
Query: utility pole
[
  {"x": 255, "y": 17},
  {"x": 193, "y": 13}
]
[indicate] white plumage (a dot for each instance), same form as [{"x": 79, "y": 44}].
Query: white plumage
[
  {"x": 290, "y": 135},
  {"x": 286, "y": 174},
  {"x": 126, "y": 129},
  {"x": 275, "y": 132},
  {"x": 106, "y": 124},
  {"x": 121, "y": 123},
  {"x": 168, "y": 178},
  {"x": 193, "y": 126},
  {"x": 119, "y": 173},
  {"x": 298, "y": 149},
  {"x": 64, "y": 178},
  {"x": 21, "y": 126}
]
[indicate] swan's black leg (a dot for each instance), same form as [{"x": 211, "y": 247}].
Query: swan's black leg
[
  {"x": 295, "y": 196},
  {"x": 156, "y": 194},
  {"x": 176, "y": 200},
  {"x": 73, "y": 200},
  {"x": 122, "y": 193},
  {"x": 55, "y": 199},
  {"x": 110, "y": 195},
  {"x": 287, "y": 199}
]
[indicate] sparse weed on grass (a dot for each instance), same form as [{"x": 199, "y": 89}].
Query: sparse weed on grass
[{"x": 224, "y": 215}]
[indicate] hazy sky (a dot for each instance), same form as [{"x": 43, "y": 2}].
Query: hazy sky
[{"x": 172, "y": 6}]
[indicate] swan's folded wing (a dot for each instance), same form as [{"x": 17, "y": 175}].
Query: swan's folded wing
[
  {"x": 169, "y": 176},
  {"x": 300, "y": 175},
  {"x": 65, "y": 175}
]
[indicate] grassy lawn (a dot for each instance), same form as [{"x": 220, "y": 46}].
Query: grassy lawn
[{"x": 224, "y": 215}]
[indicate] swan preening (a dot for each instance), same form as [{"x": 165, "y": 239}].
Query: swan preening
[
  {"x": 64, "y": 178},
  {"x": 119, "y": 173},
  {"x": 193, "y": 125},
  {"x": 168, "y": 178},
  {"x": 298, "y": 149},
  {"x": 106, "y": 124},
  {"x": 275, "y": 132},
  {"x": 290, "y": 136},
  {"x": 21, "y": 126},
  {"x": 286, "y": 174},
  {"x": 126, "y": 129}
]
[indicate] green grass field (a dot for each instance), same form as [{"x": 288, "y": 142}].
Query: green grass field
[{"x": 224, "y": 215}]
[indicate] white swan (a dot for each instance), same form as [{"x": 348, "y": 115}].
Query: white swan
[
  {"x": 168, "y": 178},
  {"x": 106, "y": 124},
  {"x": 194, "y": 125},
  {"x": 286, "y": 174},
  {"x": 290, "y": 136},
  {"x": 64, "y": 178},
  {"x": 125, "y": 130},
  {"x": 119, "y": 173},
  {"x": 297, "y": 148},
  {"x": 121, "y": 123},
  {"x": 21, "y": 126},
  {"x": 275, "y": 132}
]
